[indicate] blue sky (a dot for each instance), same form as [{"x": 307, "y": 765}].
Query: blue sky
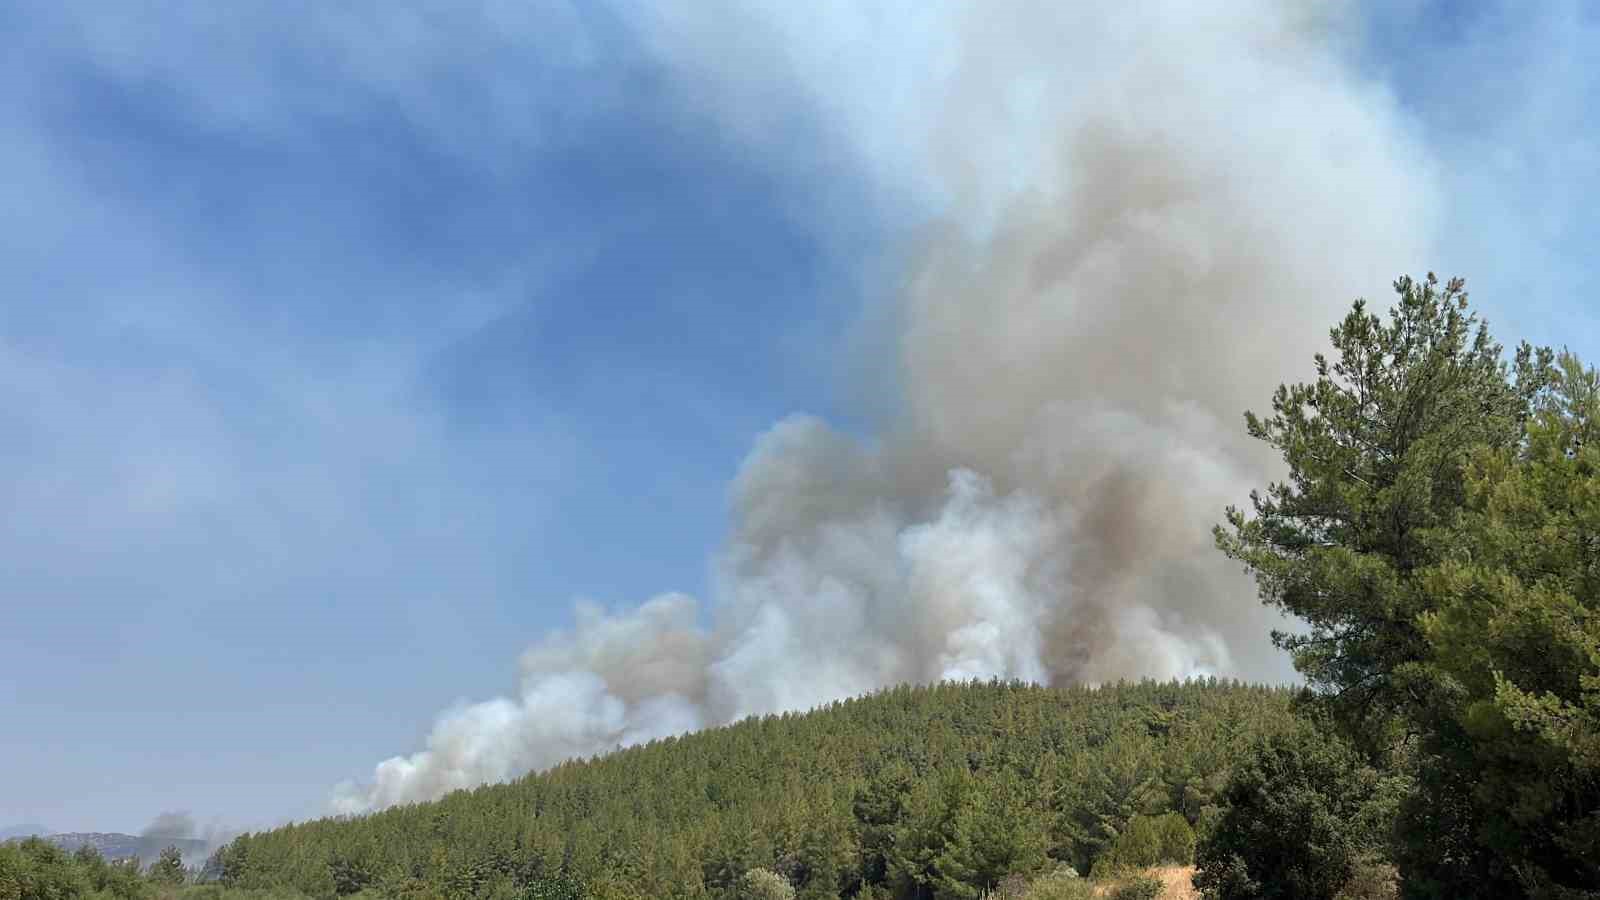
[{"x": 341, "y": 352}]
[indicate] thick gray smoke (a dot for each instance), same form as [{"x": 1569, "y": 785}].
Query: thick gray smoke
[{"x": 1152, "y": 218}]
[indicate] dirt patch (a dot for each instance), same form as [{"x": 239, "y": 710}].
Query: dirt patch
[{"x": 1178, "y": 882}]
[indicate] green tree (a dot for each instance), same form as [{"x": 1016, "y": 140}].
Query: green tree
[
  {"x": 351, "y": 874},
  {"x": 991, "y": 835},
  {"x": 1293, "y": 826},
  {"x": 1137, "y": 847},
  {"x": 1376, "y": 449},
  {"x": 879, "y": 807},
  {"x": 168, "y": 868},
  {"x": 13, "y": 873},
  {"x": 1115, "y": 787},
  {"x": 1511, "y": 732},
  {"x": 1177, "y": 839},
  {"x": 1439, "y": 531}
]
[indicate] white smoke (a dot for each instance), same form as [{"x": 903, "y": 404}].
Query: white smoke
[{"x": 1152, "y": 217}]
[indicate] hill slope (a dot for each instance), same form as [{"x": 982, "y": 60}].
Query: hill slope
[{"x": 910, "y": 792}]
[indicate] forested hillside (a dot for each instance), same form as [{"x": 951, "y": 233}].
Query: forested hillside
[{"x": 935, "y": 791}]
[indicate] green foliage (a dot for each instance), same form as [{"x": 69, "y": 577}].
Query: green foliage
[
  {"x": 1139, "y": 887},
  {"x": 1062, "y": 884},
  {"x": 1292, "y": 828},
  {"x": 553, "y": 887},
  {"x": 168, "y": 868},
  {"x": 218, "y": 892},
  {"x": 913, "y": 793},
  {"x": 120, "y": 880},
  {"x": 1149, "y": 841},
  {"x": 1177, "y": 839},
  {"x": 1440, "y": 533},
  {"x": 1137, "y": 847},
  {"x": 764, "y": 884},
  {"x": 351, "y": 874},
  {"x": 35, "y": 869},
  {"x": 984, "y": 833},
  {"x": 1377, "y": 449},
  {"x": 1511, "y": 732},
  {"x": 1122, "y": 784}
]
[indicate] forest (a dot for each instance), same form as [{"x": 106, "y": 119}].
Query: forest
[
  {"x": 930, "y": 791},
  {"x": 1437, "y": 539}
]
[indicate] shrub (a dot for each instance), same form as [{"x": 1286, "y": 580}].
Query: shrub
[
  {"x": 1292, "y": 826},
  {"x": 1372, "y": 880},
  {"x": 765, "y": 884},
  {"x": 1137, "y": 847},
  {"x": 558, "y": 887},
  {"x": 1012, "y": 887},
  {"x": 1148, "y": 841},
  {"x": 1059, "y": 886},
  {"x": 1177, "y": 839},
  {"x": 1140, "y": 887}
]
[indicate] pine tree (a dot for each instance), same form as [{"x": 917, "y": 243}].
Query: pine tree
[
  {"x": 1376, "y": 449},
  {"x": 1511, "y": 736}
]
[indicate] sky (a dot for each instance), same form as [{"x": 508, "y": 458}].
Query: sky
[{"x": 343, "y": 350}]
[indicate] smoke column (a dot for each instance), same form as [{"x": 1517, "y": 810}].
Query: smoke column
[
  {"x": 1150, "y": 218},
  {"x": 172, "y": 824},
  {"x": 180, "y": 825}
]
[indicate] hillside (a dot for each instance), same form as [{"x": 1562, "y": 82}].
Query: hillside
[{"x": 913, "y": 792}]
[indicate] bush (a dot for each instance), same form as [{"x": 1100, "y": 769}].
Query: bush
[
  {"x": 765, "y": 884},
  {"x": 1293, "y": 825},
  {"x": 1140, "y": 887},
  {"x": 35, "y": 869},
  {"x": 1060, "y": 886},
  {"x": 1012, "y": 887},
  {"x": 558, "y": 887},
  {"x": 1137, "y": 847},
  {"x": 1148, "y": 841},
  {"x": 1371, "y": 880},
  {"x": 1177, "y": 839}
]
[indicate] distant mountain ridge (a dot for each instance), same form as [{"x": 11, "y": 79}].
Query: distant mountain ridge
[
  {"x": 123, "y": 846},
  {"x": 21, "y": 831}
]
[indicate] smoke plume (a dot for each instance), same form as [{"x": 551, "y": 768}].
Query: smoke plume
[
  {"x": 1151, "y": 217},
  {"x": 182, "y": 828},
  {"x": 177, "y": 825}
]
